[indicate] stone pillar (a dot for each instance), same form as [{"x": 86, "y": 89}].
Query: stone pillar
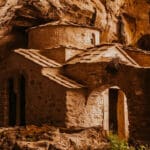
[{"x": 106, "y": 110}]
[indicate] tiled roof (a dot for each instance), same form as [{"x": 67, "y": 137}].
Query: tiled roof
[
  {"x": 37, "y": 58},
  {"x": 135, "y": 49},
  {"x": 49, "y": 67},
  {"x": 60, "y": 79},
  {"x": 140, "y": 56},
  {"x": 103, "y": 53}
]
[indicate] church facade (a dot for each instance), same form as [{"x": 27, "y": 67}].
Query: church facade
[{"x": 67, "y": 78}]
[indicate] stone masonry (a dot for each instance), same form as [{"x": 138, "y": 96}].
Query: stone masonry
[{"x": 64, "y": 79}]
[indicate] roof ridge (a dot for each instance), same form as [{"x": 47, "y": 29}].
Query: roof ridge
[
  {"x": 45, "y": 58},
  {"x": 37, "y": 58},
  {"x": 63, "y": 80},
  {"x": 31, "y": 58},
  {"x": 34, "y": 56},
  {"x": 59, "y": 79},
  {"x": 95, "y": 54},
  {"x": 127, "y": 56},
  {"x": 90, "y": 49}
]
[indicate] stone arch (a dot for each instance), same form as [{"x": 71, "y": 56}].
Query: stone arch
[
  {"x": 99, "y": 110},
  {"x": 144, "y": 42},
  {"x": 94, "y": 107},
  {"x": 118, "y": 111}
]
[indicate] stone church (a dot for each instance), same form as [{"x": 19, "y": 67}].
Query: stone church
[{"x": 68, "y": 78}]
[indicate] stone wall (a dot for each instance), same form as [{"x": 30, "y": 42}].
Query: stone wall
[
  {"x": 3, "y": 104},
  {"x": 61, "y": 54},
  {"x": 63, "y": 35},
  {"x": 75, "y": 105},
  {"x": 132, "y": 81},
  {"x": 85, "y": 108},
  {"x": 45, "y": 99}
]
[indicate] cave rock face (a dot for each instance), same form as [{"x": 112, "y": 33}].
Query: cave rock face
[{"x": 124, "y": 21}]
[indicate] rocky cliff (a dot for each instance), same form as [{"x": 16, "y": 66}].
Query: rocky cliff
[
  {"x": 118, "y": 20},
  {"x": 52, "y": 138}
]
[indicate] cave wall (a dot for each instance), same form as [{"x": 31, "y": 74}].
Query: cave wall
[{"x": 118, "y": 20}]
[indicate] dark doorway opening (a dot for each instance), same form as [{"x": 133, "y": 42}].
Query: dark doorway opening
[
  {"x": 113, "y": 99},
  {"x": 144, "y": 42},
  {"x": 12, "y": 103},
  {"x": 118, "y": 113},
  {"x": 22, "y": 100}
]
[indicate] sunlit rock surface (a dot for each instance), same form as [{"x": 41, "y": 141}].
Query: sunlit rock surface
[
  {"x": 119, "y": 20},
  {"x": 51, "y": 138}
]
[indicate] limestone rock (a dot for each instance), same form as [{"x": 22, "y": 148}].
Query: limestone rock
[
  {"x": 136, "y": 19},
  {"x": 49, "y": 138},
  {"x": 118, "y": 20}
]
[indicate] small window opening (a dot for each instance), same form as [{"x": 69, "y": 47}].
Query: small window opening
[
  {"x": 12, "y": 103},
  {"x": 93, "y": 40},
  {"x": 22, "y": 100}
]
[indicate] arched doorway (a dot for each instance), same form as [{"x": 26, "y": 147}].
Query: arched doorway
[{"x": 116, "y": 113}]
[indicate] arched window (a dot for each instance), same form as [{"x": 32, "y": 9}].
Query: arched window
[
  {"x": 17, "y": 99},
  {"x": 107, "y": 107},
  {"x": 144, "y": 42}
]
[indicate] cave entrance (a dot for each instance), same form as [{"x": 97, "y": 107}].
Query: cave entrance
[
  {"x": 116, "y": 112},
  {"x": 144, "y": 42}
]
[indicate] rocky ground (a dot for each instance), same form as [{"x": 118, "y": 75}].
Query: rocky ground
[
  {"x": 52, "y": 138},
  {"x": 124, "y": 21}
]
